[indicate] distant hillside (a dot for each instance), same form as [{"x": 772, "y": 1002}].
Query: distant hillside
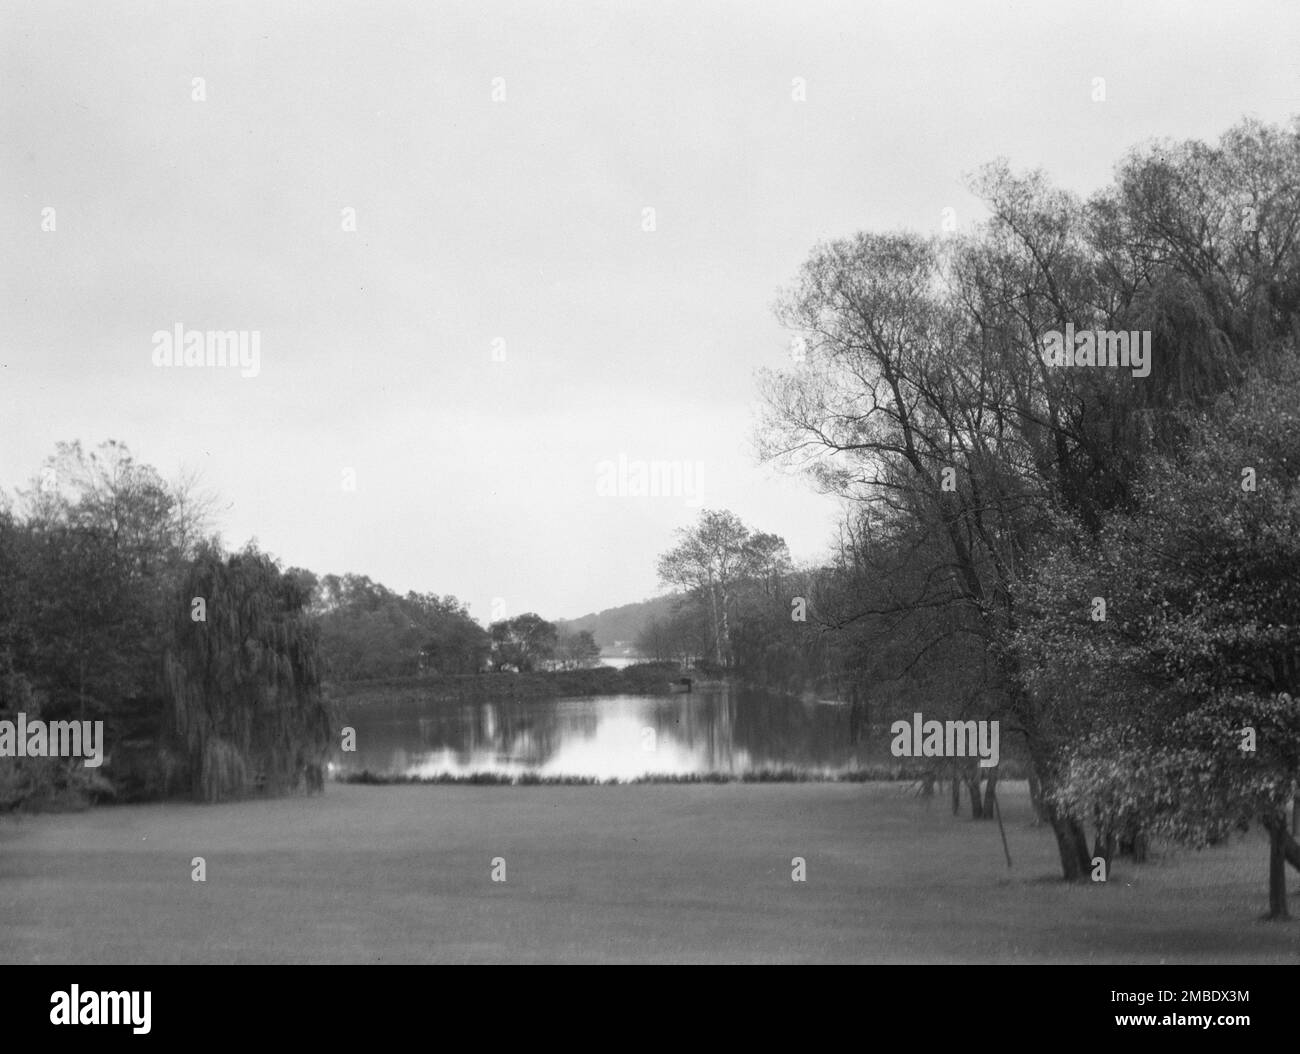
[{"x": 622, "y": 623}]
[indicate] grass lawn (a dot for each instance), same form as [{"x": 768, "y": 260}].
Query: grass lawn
[{"x": 665, "y": 873}]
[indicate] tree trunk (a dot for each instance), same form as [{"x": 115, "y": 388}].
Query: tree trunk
[
  {"x": 956, "y": 795},
  {"x": 927, "y": 785},
  {"x": 1071, "y": 839},
  {"x": 1104, "y": 846},
  {"x": 990, "y": 791},
  {"x": 1290, "y": 847},
  {"x": 717, "y": 626},
  {"x": 1295, "y": 814},
  {"x": 725, "y": 648},
  {"x": 857, "y": 713},
  {"x": 1036, "y": 799},
  {"x": 1133, "y": 843},
  {"x": 976, "y": 803},
  {"x": 1277, "y": 861},
  {"x": 1072, "y": 845}
]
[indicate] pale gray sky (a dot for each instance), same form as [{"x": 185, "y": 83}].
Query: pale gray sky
[{"x": 519, "y": 220}]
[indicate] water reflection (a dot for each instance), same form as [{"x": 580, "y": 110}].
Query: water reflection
[{"x": 621, "y": 736}]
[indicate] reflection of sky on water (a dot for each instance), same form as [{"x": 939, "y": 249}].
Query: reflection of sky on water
[
  {"x": 622, "y": 749},
  {"x": 449, "y": 762},
  {"x": 609, "y": 737}
]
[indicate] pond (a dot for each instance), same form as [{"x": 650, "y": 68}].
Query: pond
[{"x": 724, "y": 731}]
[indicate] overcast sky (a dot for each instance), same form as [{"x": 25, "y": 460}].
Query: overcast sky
[{"x": 517, "y": 220}]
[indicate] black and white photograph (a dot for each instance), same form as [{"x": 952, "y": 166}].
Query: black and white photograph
[{"x": 620, "y": 482}]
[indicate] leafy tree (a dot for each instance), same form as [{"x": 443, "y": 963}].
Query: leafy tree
[
  {"x": 30, "y": 782},
  {"x": 108, "y": 544},
  {"x": 712, "y": 558},
  {"x": 368, "y": 631},
  {"x": 1199, "y": 651},
  {"x": 926, "y": 399},
  {"x": 243, "y": 683},
  {"x": 525, "y": 642},
  {"x": 457, "y": 644}
]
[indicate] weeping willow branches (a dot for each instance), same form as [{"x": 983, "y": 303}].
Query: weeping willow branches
[{"x": 242, "y": 678}]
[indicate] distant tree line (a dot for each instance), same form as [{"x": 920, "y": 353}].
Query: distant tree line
[
  {"x": 370, "y": 632},
  {"x": 620, "y": 625}
]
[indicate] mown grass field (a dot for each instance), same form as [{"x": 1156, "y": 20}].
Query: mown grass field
[{"x": 660, "y": 873}]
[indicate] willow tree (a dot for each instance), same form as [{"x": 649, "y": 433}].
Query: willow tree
[{"x": 242, "y": 676}]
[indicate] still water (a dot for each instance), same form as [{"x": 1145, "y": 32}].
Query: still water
[{"x": 619, "y": 736}]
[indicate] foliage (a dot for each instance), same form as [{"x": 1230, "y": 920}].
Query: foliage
[
  {"x": 368, "y": 631},
  {"x": 576, "y": 650},
  {"x": 524, "y": 642},
  {"x": 712, "y": 559},
  {"x": 244, "y": 684},
  {"x": 1201, "y": 640},
  {"x": 971, "y": 465},
  {"x": 42, "y": 783}
]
